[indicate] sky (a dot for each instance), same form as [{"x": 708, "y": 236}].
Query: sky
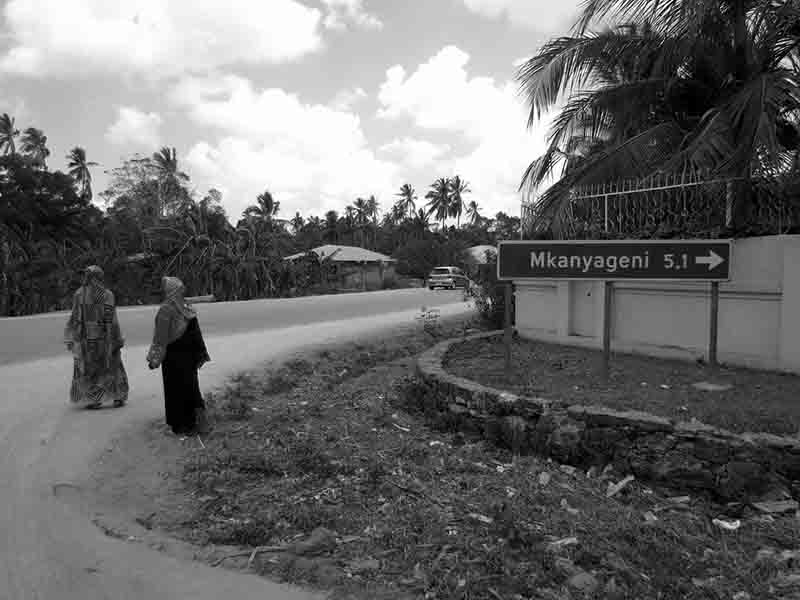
[{"x": 317, "y": 101}]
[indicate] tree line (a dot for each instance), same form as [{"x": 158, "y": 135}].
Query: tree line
[{"x": 153, "y": 222}]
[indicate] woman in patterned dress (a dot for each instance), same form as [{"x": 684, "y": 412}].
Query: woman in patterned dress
[
  {"x": 178, "y": 348},
  {"x": 94, "y": 337}
]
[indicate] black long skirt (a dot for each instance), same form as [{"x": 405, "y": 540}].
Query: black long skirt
[{"x": 182, "y": 398}]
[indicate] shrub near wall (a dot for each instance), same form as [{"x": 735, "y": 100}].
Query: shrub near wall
[{"x": 690, "y": 456}]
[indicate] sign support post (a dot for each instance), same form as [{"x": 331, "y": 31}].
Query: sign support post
[
  {"x": 713, "y": 325},
  {"x": 507, "y": 323},
  {"x": 608, "y": 289}
]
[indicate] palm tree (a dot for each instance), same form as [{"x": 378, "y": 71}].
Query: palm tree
[
  {"x": 265, "y": 209},
  {"x": 8, "y": 132},
  {"x": 407, "y": 201},
  {"x": 439, "y": 196},
  {"x": 420, "y": 221},
  {"x": 372, "y": 208},
  {"x": 331, "y": 226},
  {"x": 473, "y": 212},
  {"x": 34, "y": 146},
  {"x": 170, "y": 178},
  {"x": 458, "y": 188},
  {"x": 297, "y": 222},
  {"x": 79, "y": 171},
  {"x": 707, "y": 87}
]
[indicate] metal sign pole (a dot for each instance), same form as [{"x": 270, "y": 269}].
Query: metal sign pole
[
  {"x": 609, "y": 287},
  {"x": 713, "y": 324},
  {"x": 507, "y": 318}
]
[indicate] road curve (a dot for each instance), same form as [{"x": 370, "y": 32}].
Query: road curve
[
  {"x": 39, "y": 336},
  {"x": 48, "y": 549}
]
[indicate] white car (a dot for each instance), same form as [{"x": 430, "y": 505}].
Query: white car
[{"x": 448, "y": 278}]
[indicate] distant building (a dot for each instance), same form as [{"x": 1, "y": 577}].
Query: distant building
[{"x": 355, "y": 268}]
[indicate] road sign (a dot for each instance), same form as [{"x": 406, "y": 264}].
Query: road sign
[{"x": 664, "y": 260}]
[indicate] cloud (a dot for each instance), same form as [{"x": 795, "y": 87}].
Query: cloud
[
  {"x": 344, "y": 12},
  {"x": 346, "y": 99},
  {"x": 60, "y": 38},
  {"x": 312, "y": 157},
  {"x": 545, "y": 16},
  {"x": 415, "y": 153},
  {"x": 135, "y": 127},
  {"x": 485, "y": 116}
]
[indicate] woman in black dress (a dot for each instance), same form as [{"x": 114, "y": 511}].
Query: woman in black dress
[{"x": 178, "y": 348}]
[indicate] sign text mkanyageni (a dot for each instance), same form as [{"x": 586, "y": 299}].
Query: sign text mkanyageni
[{"x": 700, "y": 260}]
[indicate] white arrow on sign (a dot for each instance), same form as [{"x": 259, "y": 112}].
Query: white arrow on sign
[{"x": 713, "y": 260}]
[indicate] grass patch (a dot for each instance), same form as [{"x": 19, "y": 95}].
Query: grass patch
[
  {"x": 757, "y": 400},
  {"x": 420, "y": 510}
]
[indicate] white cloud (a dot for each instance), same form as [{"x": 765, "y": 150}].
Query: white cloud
[
  {"x": 441, "y": 96},
  {"x": 546, "y": 16},
  {"x": 343, "y": 12},
  {"x": 152, "y": 37},
  {"x": 135, "y": 127},
  {"x": 414, "y": 153},
  {"x": 346, "y": 99},
  {"x": 312, "y": 158}
]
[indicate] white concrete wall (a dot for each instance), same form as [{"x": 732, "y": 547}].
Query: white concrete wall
[{"x": 759, "y": 311}]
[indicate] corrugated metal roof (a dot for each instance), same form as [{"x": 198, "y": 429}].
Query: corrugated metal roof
[{"x": 345, "y": 254}]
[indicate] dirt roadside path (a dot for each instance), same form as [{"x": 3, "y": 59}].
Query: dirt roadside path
[{"x": 48, "y": 546}]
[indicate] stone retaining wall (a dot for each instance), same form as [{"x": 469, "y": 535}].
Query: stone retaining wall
[{"x": 685, "y": 455}]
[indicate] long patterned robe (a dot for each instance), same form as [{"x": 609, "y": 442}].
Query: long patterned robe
[{"x": 93, "y": 329}]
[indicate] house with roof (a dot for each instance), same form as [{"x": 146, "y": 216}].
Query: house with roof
[{"x": 354, "y": 268}]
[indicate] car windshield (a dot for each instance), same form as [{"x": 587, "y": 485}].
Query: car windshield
[{"x": 441, "y": 271}]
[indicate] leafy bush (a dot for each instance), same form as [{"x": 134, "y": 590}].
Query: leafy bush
[{"x": 490, "y": 294}]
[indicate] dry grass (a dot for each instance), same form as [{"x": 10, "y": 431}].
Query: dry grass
[
  {"x": 758, "y": 401},
  {"x": 342, "y": 441}
]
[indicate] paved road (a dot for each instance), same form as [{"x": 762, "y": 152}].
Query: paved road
[
  {"x": 48, "y": 549},
  {"x": 40, "y": 336}
]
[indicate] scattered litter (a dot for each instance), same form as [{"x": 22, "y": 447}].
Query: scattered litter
[
  {"x": 562, "y": 543},
  {"x": 643, "y": 384},
  {"x": 360, "y": 566},
  {"x": 649, "y": 517},
  {"x": 616, "y": 488},
  {"x": 406, "y": 429},
  {"x": 482, "y": 518},
  {"x": 256, "y": 409},
  {"x": 511, "y": 492},
  {"x": 565, "y": 505},
  {"x": 592, "y": 472},
  {"x": 544, "y": 478},
  {"x": 664, "y": 386},
  {"x": 776, "y": 508},
  {"x": 435, "y": 443},
  {"x": 741, "y": 596},
  {"x": 201, "y": 442},
  {"x": 727, "y": 525},
  {"x": 707, "y": 386},
  {"x": 684, "y": 408},
  {"x": 679, "y": 499}
]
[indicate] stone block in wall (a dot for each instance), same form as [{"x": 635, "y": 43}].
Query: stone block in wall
[
  {"x": 680, "y": 468},
  {"x": 600, "y": 443},
  {"x": 557, "y": 435},
  {"x": 597, "y": 416},
  {"x": 738, "y": 480},
  {"x": 646, "y": 451}
]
